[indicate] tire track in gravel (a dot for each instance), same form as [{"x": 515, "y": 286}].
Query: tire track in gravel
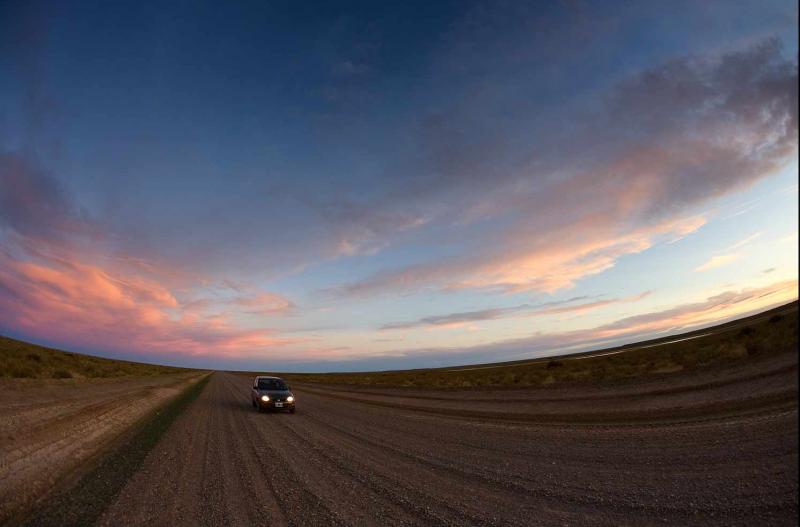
[
  {"x": 340, "y": 462},
  {"x": 497, "y": 491},
  {"x": 501, "y": 482},
  {"x": 331, "y": 481},
  {"x": 405, "y": 496},
  {"x": 773, "y": 373},
  {"x": 584, "y": 455},
  {"x": 582, "y": 502},
  {"x": 296, "y": 503},
  {"x": 462, "y": 497},
  {"x": 733, "y": 409},
  {"x": 257, "y": 504},
  {"x": 199, "y": 474}
]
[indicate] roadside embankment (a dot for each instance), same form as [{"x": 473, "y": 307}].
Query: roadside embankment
[{"x": 54, "y": 431}]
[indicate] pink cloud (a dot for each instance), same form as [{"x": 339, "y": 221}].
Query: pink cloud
[
  {"x": 553, "y": 261},
  {"x": 65, "y": 299},
  {"x": 264, "y": 303},
  {"x": 61, "y": 281}
]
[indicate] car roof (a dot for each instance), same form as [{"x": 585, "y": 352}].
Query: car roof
[{"x": 268, "y": 377}]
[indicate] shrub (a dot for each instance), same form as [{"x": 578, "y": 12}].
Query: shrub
[
  {"x": 61, "y": 374},
  {"x": 753, "y": 348},
  {"x": 747, "y": 331},
  {"x": 23, "y": 372}
]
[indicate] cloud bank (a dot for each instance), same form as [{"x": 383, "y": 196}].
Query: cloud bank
[{"x": 631, "y": 174}]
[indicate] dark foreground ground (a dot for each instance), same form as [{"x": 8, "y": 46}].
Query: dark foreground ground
[{"x": 714, "y": 447}]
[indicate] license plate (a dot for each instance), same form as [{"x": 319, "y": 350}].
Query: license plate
[{"x": 278, "y": 405}]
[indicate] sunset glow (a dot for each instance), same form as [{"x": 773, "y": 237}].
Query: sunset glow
[{"x": 246, "y": 186}]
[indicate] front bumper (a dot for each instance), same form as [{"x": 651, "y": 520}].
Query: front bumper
[{"x": 272, "y": 405}]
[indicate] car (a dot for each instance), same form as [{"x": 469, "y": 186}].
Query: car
[{"x": 272, "y": 393}]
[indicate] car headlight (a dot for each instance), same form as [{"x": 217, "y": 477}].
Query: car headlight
[
  {"x": 265, "y": 398},
  {"x": 290, "y": 399}
]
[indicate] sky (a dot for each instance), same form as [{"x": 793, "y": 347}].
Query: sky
[{"x": 303, "y": 186}]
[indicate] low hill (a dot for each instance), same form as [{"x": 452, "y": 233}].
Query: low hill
[
  {"x": 770, "y": 332},
  {"x": 20, "y": 359}
]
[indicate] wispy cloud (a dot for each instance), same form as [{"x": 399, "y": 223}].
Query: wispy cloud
[
  {"x": 720, "y": 307},
  {"x": 525, "y": 310},
  {"x": 743, "y": 242},
  {"x": 732, "y": 254},
  {"x": 555, "y": 260},
  {"x": 720, "y": 260}
]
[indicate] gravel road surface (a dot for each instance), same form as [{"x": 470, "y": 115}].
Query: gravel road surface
[
  {"x": 714, "y": 448},
  {"x": 50, "y": 429}
]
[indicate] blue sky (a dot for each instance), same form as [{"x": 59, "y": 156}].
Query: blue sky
[{"x": 369, "y": 185}]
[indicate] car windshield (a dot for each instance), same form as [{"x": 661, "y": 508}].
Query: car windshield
[{"x": 272, "y": 384}]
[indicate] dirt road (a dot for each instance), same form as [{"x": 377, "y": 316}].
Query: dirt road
[{"x": 709, "y": 455}]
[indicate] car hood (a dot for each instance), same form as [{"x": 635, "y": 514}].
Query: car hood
[{"x": 275, "y": 393}]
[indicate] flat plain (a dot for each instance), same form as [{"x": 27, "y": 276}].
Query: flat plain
[
  {"x": 714, "y": 442},
  {"x": 714, "y": 445}
]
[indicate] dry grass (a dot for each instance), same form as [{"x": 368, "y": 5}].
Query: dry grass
[
  {"x": 760, "y": 335},
  {"x": 23, "y": 360}
]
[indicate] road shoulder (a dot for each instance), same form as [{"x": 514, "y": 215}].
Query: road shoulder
[{"x": 90, "y": 490}]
